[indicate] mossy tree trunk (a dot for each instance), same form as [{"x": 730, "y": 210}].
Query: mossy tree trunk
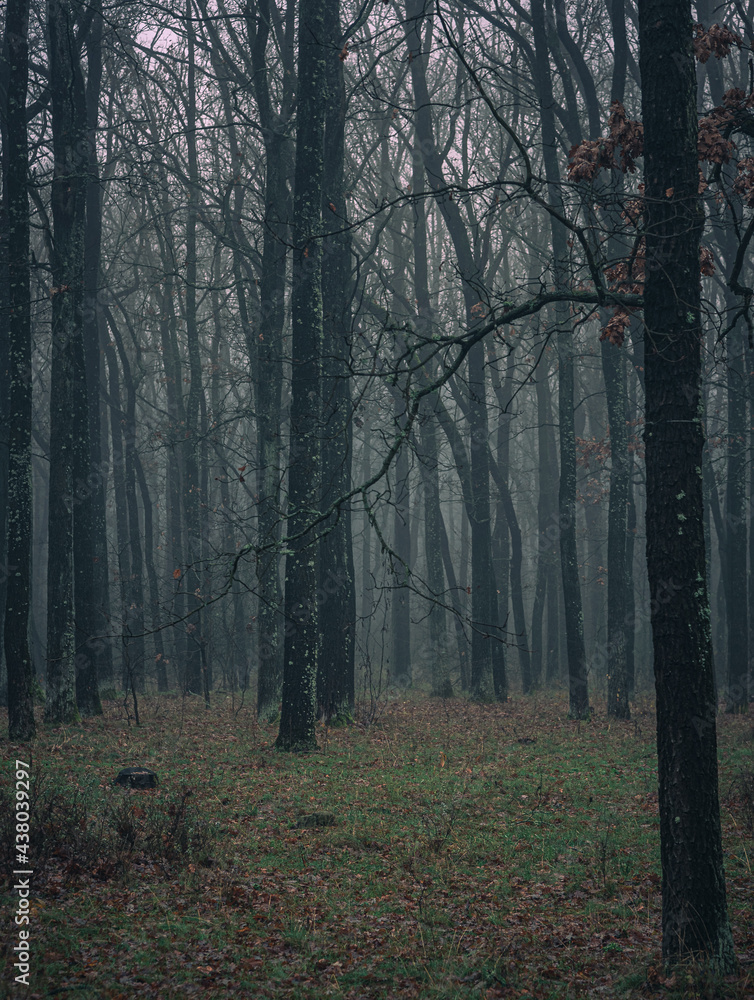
[
  {"x": 336, "y": 595},
  {"x": 304, "y": 482}
]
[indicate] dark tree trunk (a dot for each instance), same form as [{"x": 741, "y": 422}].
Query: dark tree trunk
[
  {"x": 93, "y": 330},
  {"x": 266, "y": 352},
  {"x": 119, "y": 490},
  {"x": 750, "y": 392},
  {"x": 93, "y": 654},
  {"x": 20, "y": 668},
  {"x": 301, "y": 632},
  {"x": 546, "y": 592},
  {"x": 614, "y": 372},
  {"x": 133, "y": 611},
  {"x": 337, "y": 595},
  {"x": 507, "y": 520},
  {"x": 433, "y": 532},
  {"x": 401, "y": 595},
  {"x": 498, "y": 677},
  {"x": 462, "y": 643},
  {"x": 434, "y": 529},
  {"x": 569, "y": 564},
  {"x": 68, "y": 213},
  {"x": 484, "y": 609},
  {"x": 154, "y": 592},
  {"x": 196, "y": 680},
  {"x": 694, "y": 918},
  {"x": 176, "y": 430},
  {"x": 736, "y": 524}
]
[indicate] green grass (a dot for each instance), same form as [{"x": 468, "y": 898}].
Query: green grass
[{"x": 479, "y": 851}]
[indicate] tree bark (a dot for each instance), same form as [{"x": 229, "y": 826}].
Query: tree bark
[
  {"x": 266, "y": 353},
  {"x": 93, "y": 654},
  {"x": 484, "y": 609},
  {"x": 68, "y": 213},
  {"x": 21, "y": 725},
  {"x": 736, "y": 525},
  {"x": 614, "y": 372},
  {"x": 694, "y": 918},
  {"x": 337, "y": 594},
  {"x": 578, "y": 690},
  {"x": 195, "y": 676},
  {"x": 301, "y": 633}
]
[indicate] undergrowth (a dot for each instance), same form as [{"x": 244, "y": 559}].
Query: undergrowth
[{"x": 477, "y": 851}]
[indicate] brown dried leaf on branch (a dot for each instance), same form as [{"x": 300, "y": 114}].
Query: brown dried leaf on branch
[
  {"x": 627, "y": 135},
  {"x": 738, "y": 99},
  {"x": 627, "y": 275},
  {"x": 615, "y": 331},
  {"x": 591, "y": 155},
  {"x": 587, "y": 159},
  {"x": 743, "y": 185},
  {"x": 712, "y": 145},
  {"x": 717, "y": 40},
  {"x": 706, "y": 262}
]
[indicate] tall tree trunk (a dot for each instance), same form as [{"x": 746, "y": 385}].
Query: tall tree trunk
[
  {"x": 337, "y": 622},
  {"x": 569, "y": 565},
  {"x": 614, "y": 373},
  {"x": 694, "y": 918},
  {"x": 301, "y": 638},
  {"x": 93, "y": 654},
  {"x": 631, "y": 523},
  {"x": 266, "y": 353},
  {"x": 154, "y": 592},
  {"x": 366, "y": 546},
  {"x": 196, "y": 681},
  {"x": 130, "y": 656},
  {"x": 93, "y": 330},
  {"x": 20, "y": 668},
  {"x": 434, "y": 529},
  {"x": 433, "y": 532},
  {"x": 733, "y": 542},
  {"x": 133, "y": 611},
  {"x": 736, "y": 524},
  {"x": 68, "y": 213},
  {"x": 176, "y": 429},
  {"x": 484, "y": 609},
  {"x": 401, "y": 595},
  {"x": 546, "y": 592},
  {"x": 507, "y": 520}
]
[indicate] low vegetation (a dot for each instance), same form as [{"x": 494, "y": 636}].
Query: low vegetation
[{"x": 468, "y": 851}]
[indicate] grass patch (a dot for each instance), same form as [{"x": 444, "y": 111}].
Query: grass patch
[{"x": 477, "y": 851}]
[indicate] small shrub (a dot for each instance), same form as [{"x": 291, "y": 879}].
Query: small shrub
[{"x": 100, "y": 834}]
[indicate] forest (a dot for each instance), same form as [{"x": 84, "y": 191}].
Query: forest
[{"x": 374, "y": 412}]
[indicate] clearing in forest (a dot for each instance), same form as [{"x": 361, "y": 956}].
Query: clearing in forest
[{"x": 471, "y": 851}]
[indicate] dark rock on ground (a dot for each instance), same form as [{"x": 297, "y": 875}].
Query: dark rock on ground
[{"x": 136, "y": 777}]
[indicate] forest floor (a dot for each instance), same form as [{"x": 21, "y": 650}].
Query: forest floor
[{"x": 476, "y": 852}]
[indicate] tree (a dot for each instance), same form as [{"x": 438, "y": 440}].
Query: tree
[
  {"x": 574, "y": 618},
  {"x": 69, "y": 129},
  {"x": 21, "y": 724},
  {"x": 695, "y": 919},
  {"x": 301, "y": 638},
  {"x": 483, "y": 588}
]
